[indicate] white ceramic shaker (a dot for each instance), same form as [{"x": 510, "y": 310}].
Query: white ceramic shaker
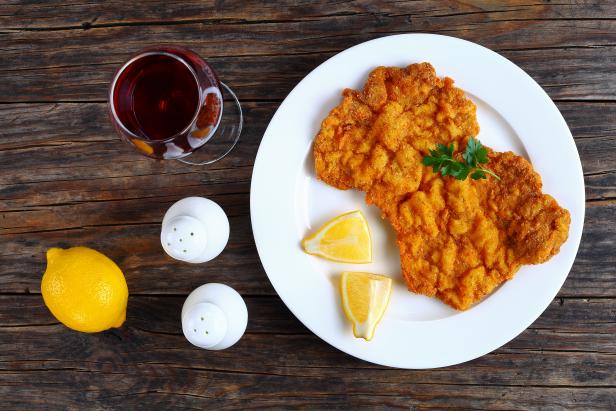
[
  {"x": 194, "y": 230},
  {"x": 214, "y": 317}
]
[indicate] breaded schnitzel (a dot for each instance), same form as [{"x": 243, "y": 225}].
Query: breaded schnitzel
[{"x": 458, "y": 240}]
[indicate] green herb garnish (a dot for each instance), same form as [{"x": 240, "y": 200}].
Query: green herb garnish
[{"x": 442, "y": 160}]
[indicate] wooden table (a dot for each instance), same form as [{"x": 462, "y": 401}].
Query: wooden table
[{"x": 66, "y": 179}]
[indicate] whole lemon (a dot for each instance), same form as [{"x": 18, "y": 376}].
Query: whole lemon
[{"x": 84, "y": 289}]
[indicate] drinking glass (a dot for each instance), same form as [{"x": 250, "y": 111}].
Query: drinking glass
[{"x": 167, "y": 103}]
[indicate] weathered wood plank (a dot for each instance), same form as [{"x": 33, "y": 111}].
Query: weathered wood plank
[
  {"x": 152, "y": 336},
  {"x": 76, "y": 182},
  {"x": 136, "y": 248},
  {"x": 568, "y": 74},
  {"x": 148, "y": 354},
  {"x": 268, "y": 314},
  {"x": 67, "y": 179},
  {"x": 595, "y": 255},
  {"x": 574, "y": 60},
  {"x": 164, "y": 387},
  {"x": 588, "y": 120},
  {"x": 81, "y": 135},
  {"x": 86, "y": 15},
  {"x": 568, "y": 324},
  {"x": 72, "y": 138},
  {"x": 601, "y": 186}
]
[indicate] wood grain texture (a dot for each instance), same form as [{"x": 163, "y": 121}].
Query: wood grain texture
[
  {"x": 64, "y": 198},
  {"x": 149, "y": 353},
  {"x": 54, "y": 65},
  {"x": 69, "y": 73},
  {"x": 66, "y": 179},
  {"x": 56, "y": 15}
]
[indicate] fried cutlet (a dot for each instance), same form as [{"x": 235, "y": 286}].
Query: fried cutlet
[{"x": 458, "y": 240}]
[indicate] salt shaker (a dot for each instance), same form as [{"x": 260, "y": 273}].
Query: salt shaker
[
  {"x": 214, "y": 317},
  {"x": 194, "y": 230}
]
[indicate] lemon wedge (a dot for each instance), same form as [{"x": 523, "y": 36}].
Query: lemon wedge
[
  {"x": 345, "y": 239},
  {"x": 364, "y": 299}
]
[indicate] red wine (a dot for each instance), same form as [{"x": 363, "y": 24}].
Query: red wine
[
  {"x": 156, "y": 97},
  {"x": 166, "y": 102}
]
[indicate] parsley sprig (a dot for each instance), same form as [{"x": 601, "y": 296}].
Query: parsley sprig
[{"x": 442, "y": 159}]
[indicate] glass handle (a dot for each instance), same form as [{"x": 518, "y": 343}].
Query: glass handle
[{"x": 234, "y": 129}]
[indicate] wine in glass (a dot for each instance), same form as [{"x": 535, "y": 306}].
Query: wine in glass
[{"x": 167, "y": 103}]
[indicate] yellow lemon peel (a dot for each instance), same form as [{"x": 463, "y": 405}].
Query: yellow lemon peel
[{"x": 84, "y": 289}]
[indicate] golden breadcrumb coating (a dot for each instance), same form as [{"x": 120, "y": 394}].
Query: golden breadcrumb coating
[{"x": 458, "y": 240}]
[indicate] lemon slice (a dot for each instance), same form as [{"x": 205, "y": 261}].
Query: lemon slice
[
  {"x": 345, "y": 239},
  {"x": 364, "y": 298}
]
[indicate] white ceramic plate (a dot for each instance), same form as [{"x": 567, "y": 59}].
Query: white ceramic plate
[{"x": 287, "y": 202}]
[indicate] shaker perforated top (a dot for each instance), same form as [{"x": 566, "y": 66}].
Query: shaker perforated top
[{"x": 194, "y": 230}]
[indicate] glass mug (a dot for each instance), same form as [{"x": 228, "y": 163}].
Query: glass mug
[{"x": 167, "y": 103}]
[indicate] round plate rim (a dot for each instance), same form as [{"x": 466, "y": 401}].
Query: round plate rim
[{"x": 262, "y": 233}]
